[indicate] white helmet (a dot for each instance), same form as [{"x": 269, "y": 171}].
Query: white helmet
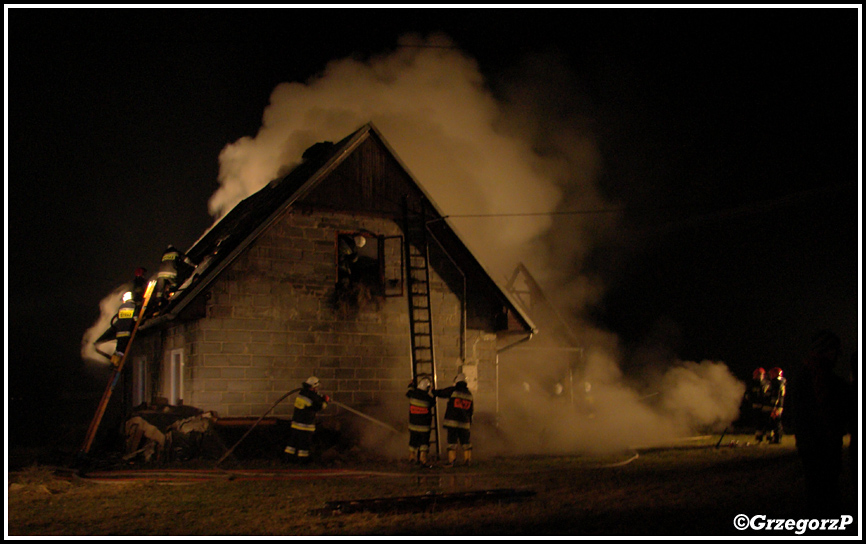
[
  {"x": 312, "y": 381},
  {"x": 424, "y": 383},
  {"x": 126, "y": 296},
  {"x": 460, "y": 378},
  {"x": 360, "y": 240}
]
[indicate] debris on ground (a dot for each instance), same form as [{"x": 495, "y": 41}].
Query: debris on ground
[{"x": 171, "y": 433}]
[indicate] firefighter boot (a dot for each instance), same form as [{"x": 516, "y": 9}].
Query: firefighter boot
[
  {"x": 422, "y": 458},
  {"x": 452, "y": 456},
  {"x": 413, "y": 457},
  {"x": 467, "y": 457}
]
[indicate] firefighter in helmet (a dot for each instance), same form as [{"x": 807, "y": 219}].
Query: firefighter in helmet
[
  {"x": 774, "y": 405},
  {"x": 123, "y": 323},
  {"x": 174, "y": 269},
  {"x": 421, "y": 404},
  {"x": 307, "y": 404},
  {"x": 139, "y": 286},
  {"x": 756, "y": 395},
  {"x": 458, "y": 418},
  {"x": 347, "y": 248}
]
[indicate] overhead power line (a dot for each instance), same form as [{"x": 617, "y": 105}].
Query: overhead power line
[{"x": 746, "y": 208}]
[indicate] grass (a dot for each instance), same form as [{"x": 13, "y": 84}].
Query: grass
[{"x": 688, "y": 490}]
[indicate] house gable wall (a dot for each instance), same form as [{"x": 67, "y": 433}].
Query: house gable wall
[{"x": 271, "y": 323}]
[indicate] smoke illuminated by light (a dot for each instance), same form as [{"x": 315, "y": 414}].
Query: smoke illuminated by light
[
  {"x": 108, "y": 307},
  {"x": 476, "y": 153}
]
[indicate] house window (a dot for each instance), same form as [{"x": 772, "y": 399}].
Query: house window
[
  {"x": 358, "y": 260},
  {"x": 139, "y": 380},
  {"x": 175, "y": 377},
  {"x": 368, "y": 265}
]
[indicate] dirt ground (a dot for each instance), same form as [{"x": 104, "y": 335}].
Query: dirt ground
[{"x": 695, "y": 488}]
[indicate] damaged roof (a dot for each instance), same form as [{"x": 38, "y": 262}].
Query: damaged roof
[{"x": 224, "y": 241}]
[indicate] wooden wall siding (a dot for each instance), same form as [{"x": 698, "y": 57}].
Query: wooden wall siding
[{"x": 369, "y": 180}]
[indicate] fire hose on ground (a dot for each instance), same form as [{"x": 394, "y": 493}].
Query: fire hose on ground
[{"x": 281, "y": 399}]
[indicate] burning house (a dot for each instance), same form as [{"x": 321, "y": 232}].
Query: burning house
[{"x": 344, "y": 269}]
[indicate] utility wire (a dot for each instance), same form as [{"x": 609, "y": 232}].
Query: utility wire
[{"x": 746, "y": 208}]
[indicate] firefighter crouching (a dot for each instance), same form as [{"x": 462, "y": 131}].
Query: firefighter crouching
[
  {"x": 458, "y": 418},
  {"x": 421, "y": 402},
  {"x": 123, "y": 323},
  {"x": 307, "y": 404}
]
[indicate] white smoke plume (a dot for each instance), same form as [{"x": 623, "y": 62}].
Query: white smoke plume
[
  {"x": 522, "y": 155},
  {"x": 432, "y": 105},
  {"x": 108, "y": 308}
]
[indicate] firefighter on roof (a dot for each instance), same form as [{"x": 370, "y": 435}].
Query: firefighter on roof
[
  {"x": 307, "y": 403},
  {"x": 139, "y": 286},
  {"x": 123, "y": 323},
  {"x": 421, "y": 403},
  {"x": 458, "y": 418},
  {"x": 174, "y": 268}
]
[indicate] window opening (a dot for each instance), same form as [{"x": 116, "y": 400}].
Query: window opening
[
  {"x": 175, "y": 378},
  {"x": 139, "y": 381}
]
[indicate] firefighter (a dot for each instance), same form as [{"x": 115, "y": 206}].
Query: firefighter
[
  {"x": 123, "y": 323},
  {"x": 347, "y": 248},
  {"x": 774, "y": 405},
  {"x": 458, "y": 418},
  {"x": 421, "y": 403},
  {"x": 174, "y": 268},
  {"x": 307, "y": 403},
  {"x": 139, "y": 285},
  {"x": 756, "y": 394}
]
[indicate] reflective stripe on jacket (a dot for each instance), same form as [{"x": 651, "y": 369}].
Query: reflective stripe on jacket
[
  {"x": 420, "y": 409},
  {"x": 307, "y": 403}
]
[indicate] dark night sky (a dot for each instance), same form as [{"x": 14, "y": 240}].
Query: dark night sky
[{"x": 731, "y": 135}]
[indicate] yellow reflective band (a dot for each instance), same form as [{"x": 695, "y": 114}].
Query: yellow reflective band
[
  {"x": 302, "y": 402},
  {"x": 304, "y": 426},
  {"x": 126, "y": 313},
  {"x": 419, "y": 428},
  {"x": 455, "y": 424}
]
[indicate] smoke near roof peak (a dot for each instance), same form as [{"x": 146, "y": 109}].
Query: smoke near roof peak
[
  {"x": 506, "y": 162},
  {"x": 435, "y": 109}
]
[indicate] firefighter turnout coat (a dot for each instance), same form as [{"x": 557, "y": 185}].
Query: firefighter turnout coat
[
  {"x": 458, "y": 413},
  {"x": 124, "y": 322},
  {"x": 307, "y": 403},
  {"x": 420, "y": 410}
]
